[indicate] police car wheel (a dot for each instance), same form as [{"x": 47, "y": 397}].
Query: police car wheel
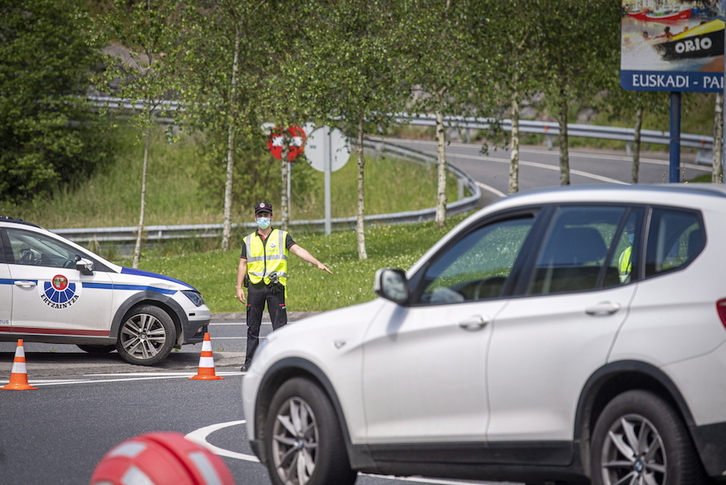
[
  {"x": 304, "y": 442},
  {"x": 146, "y": 336},
  {"x": 97, "y": 349}
]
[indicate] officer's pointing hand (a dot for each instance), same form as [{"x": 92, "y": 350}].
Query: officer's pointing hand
[{"x": 324, "y": 268}]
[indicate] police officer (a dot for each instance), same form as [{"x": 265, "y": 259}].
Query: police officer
[
  {"x": 263, "y": 270},
  {"x": 625, "y": 261}
]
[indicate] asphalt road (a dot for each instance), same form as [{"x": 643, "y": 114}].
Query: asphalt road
[{"x": 539, "y": 167}]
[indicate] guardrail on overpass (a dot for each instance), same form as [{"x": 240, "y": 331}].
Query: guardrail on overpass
[{"x": 124, "y": 235}]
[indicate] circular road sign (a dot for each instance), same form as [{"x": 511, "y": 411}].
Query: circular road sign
[
  {"x": 297, "y": 142},
  {"x": 330, "y": 142}
]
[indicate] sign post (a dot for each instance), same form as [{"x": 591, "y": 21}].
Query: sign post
[{"x": 327, "y": 151}]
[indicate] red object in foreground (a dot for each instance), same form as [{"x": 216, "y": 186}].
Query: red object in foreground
[{"x": 161, "y": 458}]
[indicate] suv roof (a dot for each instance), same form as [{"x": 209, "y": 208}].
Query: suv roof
[{"x": 18, "y": 221}]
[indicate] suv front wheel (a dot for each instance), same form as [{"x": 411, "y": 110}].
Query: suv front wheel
[
  {"x": 639, "y": 438},
  {"x": 304, "y": 443},
  {"x": 146, "y": 336}
]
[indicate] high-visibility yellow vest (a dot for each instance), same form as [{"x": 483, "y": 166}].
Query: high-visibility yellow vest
[
  {"x": 625, "y": 264},
  {"x": 266, "y": 257}
]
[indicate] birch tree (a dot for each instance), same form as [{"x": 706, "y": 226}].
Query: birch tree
[
  {"x": 222, "y": 66},
  {"x": 507, "y": 56},
  {"x": 439, "y": 73},
  {"x": 579, "y": 47},
  {"x": 349, "y": 65},
  {"x": 141, "y": 73}
]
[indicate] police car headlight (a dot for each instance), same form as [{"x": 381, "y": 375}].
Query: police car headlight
[{"x": 195, "y": 297}]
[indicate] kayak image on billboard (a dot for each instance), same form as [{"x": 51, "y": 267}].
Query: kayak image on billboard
[{"x": 705, "y": 40}]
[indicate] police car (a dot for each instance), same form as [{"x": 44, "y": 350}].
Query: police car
[{"x": 53, "y": 290}]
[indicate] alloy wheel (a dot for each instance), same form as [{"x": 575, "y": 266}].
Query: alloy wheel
[
  {"x": 633, "y": 453},
  {"x": 295, "y": 442}
]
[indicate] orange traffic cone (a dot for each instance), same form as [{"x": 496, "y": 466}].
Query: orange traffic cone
[
  {"x": 18, "y": 374},
  {"x": 206, "y": 362}
]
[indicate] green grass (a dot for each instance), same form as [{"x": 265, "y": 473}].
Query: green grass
[
  {"x": 214, "y": 273},
  {"x": 111, "y": 198}
]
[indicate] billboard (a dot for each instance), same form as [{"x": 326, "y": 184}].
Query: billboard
[{"x": 671, "y": 45}]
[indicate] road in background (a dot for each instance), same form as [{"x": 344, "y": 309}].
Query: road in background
[{"x": 540, "y": 167}]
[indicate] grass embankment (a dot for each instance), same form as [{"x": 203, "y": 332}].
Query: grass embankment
[
  {"x": 174, "y": 196},
  {"x": 111, "y": 198}
]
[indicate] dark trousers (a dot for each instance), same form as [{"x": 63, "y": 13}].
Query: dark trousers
[{"x": 257, "y": 296}]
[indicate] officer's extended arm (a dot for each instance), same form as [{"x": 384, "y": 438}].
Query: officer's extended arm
[{"x": 305, "y": 255}]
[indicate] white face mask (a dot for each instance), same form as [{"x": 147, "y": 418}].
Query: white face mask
[{"x": 263, "y": 222}]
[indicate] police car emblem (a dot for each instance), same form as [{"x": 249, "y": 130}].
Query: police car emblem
[{"x": 59, "y": 293}]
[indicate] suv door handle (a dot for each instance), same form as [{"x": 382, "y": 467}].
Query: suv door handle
[
  {"x": 603, "y": 308},
  {"x": 474, "y": 323},
  {"x": 25, "y": 284}
]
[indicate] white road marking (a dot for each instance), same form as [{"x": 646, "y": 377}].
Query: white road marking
[
  {"x": 200, "y": 435},
  {"x": 142, "y": 376}
]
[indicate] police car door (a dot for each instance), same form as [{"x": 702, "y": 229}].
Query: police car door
[
  {"x": 51, "y": 298},
  {"x": 6, "y": 291}
]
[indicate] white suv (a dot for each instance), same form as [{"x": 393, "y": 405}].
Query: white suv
[
  {"x": 53, "y": 290},
  {"x": 559, "y": 336}
]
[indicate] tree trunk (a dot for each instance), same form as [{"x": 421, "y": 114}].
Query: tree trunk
[
  {"x": 717, "y": 174},
  {"x": 636, "y": 144},
  {"x": 441, "y": 184},
  {"x": 359, "y": 225},
  {"x": 142, "y": 210},
  {"x": 227, "y": 225},
  {"x": 564, "y": 153},
  {"x": 514, "y": 145},
  {"x": 284, "y": 199}
]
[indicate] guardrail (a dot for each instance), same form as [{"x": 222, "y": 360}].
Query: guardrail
[
  {"x": 703, "y": 144},
  {"x": 123, "y": 235}
]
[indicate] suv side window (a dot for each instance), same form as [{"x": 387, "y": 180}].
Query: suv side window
[
  {"x": 477, "y": 266},
  {"x": 579, "y": 250},
  {"x": 32, "y": 249},
  {"x": 675, "y": 238}
]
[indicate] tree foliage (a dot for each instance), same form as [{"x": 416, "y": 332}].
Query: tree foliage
[{"x": 49, "y": 136}]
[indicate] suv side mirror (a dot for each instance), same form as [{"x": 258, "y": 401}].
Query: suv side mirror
[
  {"x": 83, "y": 265},
  {"x": 391, "y": 284}
]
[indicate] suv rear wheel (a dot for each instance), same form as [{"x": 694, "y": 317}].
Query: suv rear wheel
[
  {"x": 639, "y": 438},
  {"x": 147, "y": 336},
  {"x": 304, "y": 443}
]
